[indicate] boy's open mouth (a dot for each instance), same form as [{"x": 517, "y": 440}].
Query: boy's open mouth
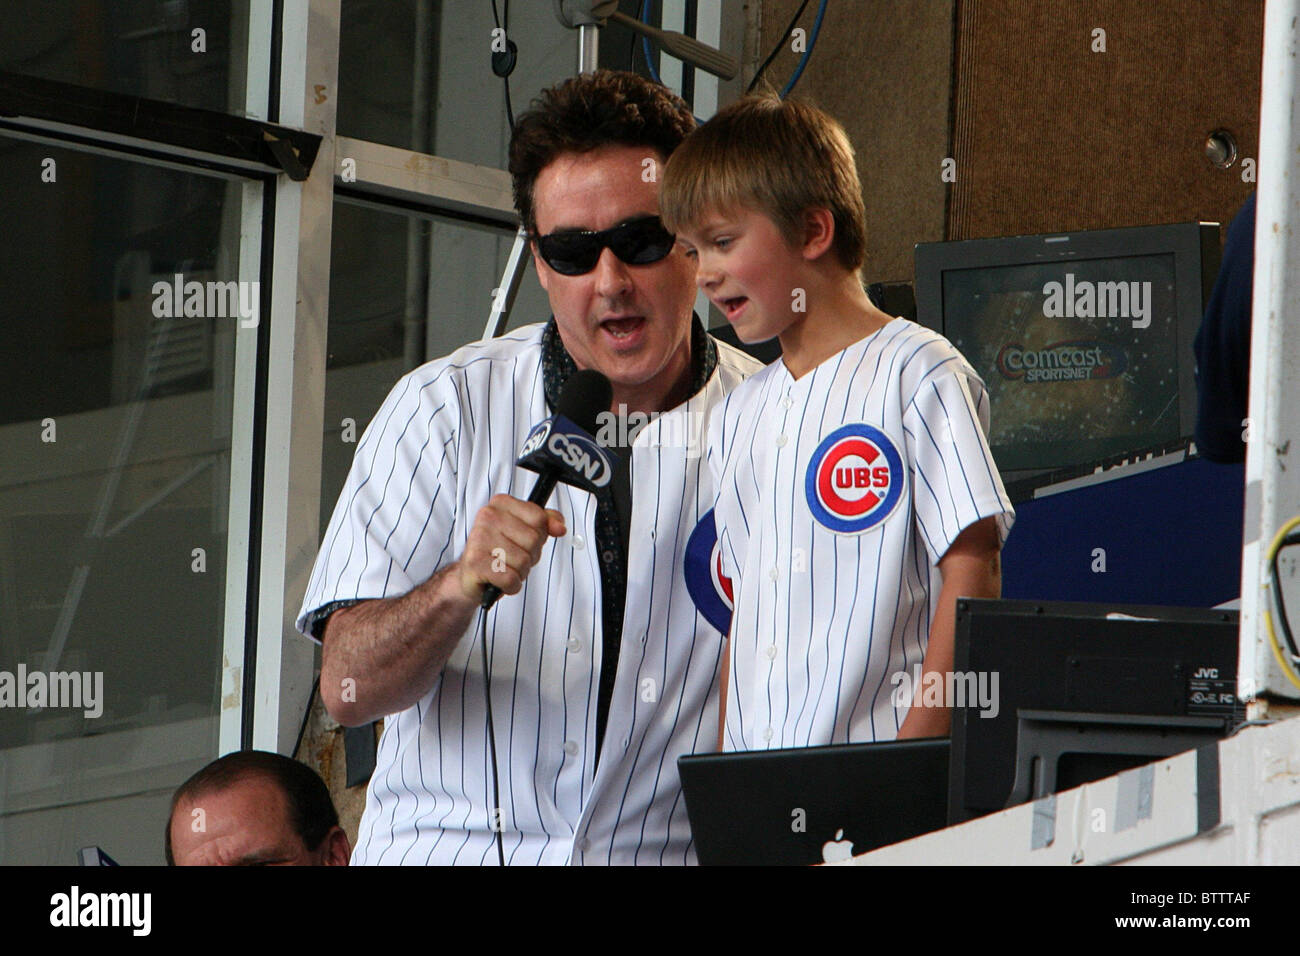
[{"x": 733, "y": 307}]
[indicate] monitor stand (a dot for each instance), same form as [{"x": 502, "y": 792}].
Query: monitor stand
[{"x": 1119, "y": 741}]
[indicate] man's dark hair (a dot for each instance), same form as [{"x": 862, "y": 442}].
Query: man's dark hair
[
  {"x": 586, "y": 112},
  {"x": 311, "y": 811}
]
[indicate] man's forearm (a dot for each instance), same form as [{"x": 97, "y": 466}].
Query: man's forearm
[{"x": 381, "y": 656}]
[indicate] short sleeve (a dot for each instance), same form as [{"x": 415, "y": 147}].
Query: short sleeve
[
  {"x": 955, "y": 481},
  {"x": 392, "y": 525}
]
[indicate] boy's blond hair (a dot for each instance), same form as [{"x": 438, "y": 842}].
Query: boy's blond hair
[{"x": 780, "y": 157}]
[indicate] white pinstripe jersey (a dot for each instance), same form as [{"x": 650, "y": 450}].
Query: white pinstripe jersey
[
  {"x": 442, "y": 443},
  {"x": 838, "y": 493}
]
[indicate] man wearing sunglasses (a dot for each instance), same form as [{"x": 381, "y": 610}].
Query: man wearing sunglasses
[{"x": 601, "y": 671}]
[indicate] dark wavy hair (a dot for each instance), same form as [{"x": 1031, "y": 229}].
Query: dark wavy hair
[
  {"x": 586, "y": 112},
  {"x": 311, "y": 811}
]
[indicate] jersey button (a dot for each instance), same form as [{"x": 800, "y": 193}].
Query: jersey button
[
  {"x": 780, "y": 441},
  {"x": 570, "y": 748},
  {"x": 771, "y": 652},
  {"x": 579, "y": 542},
  {"x": 773, "y": 574},
  {"x": 786, "y": 402},
  {"x": 609, "y": 557},
  {"x": 575, "y": 645},
  {"x": 768, "y": 733},
  {"x": 584, "y": 845}
]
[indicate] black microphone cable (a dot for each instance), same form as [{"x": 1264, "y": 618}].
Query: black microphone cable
[
  {"x": 585, "y": 395},
  {"x": 494, "y": 810}
]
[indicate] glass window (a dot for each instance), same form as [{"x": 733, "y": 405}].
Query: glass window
[
  {"x": 114, "y": 487},
  {"x": 190, "y": 52},
  {"x": 389, "y": 270},
  {"x": 433, "y": 90}
]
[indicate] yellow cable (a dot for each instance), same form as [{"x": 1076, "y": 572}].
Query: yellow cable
[{"x": 1287, "y": 667}]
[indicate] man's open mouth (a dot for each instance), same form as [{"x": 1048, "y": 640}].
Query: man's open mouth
[{"x": 624, "y": 326}]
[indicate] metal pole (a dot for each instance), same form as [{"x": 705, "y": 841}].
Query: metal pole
[
  {"x": 588, "y": 47},
  {"x": 418, "y": 231}
]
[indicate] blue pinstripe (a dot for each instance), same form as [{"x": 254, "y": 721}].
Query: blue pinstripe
[
  {"x": 876, "y": 594},
  {"x": 438, "y": 421}
]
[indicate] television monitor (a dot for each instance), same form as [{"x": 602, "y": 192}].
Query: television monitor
[
  {"x": 1129, "y": 682},
  {"x": 1084, "y": 339}
]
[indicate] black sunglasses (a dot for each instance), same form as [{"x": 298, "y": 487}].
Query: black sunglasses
[{"x": 638, "y": 243}]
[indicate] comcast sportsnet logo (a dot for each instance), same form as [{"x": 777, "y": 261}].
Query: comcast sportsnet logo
[
  {"x": 1062, "y": 362},
  {"x": 855, "y": 479}
]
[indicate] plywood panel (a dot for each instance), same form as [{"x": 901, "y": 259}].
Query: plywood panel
[
  {"x": 883, "y": 68},
  {"x": 1051, "y": 135}
]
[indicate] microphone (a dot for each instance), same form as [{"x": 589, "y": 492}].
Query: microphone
[{"x": 561, "y": 449}]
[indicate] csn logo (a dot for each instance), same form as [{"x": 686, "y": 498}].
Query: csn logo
[
  {"x": 535, "y": 438},
  {"x": 582, "y": 455}
]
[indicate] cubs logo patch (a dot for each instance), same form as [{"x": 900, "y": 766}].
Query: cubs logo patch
[
  {"x": 855, "y": 479},
  {"x": 709, "y": 589}
]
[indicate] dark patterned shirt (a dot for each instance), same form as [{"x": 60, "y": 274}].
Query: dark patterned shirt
[{"x": 614, "y": 502}]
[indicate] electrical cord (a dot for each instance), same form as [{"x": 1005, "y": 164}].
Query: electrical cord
[
  {"x": 494, "y": 811},
  {"x": 807, "y": 54},
  {"x": 302, "y": 728},
  {"x": 645, "y": 44},
  {"x": 780, "y": 45},
  {"x": 798, "y": 71},
  {"x": 1285, "y": 537},
  {"x": 803, "y": 60},
  {"x": 631, "y": 49},
  {"x": 647, "y": 53},
  {"x": 503, "y": 62}
]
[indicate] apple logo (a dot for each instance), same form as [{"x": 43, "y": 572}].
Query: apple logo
[{"x": 837, "y": 850}]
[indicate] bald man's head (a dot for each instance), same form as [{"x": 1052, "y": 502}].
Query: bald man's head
[{"x": 254, "y": 808}]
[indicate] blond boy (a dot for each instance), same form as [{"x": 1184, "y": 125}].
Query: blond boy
[{"x": 857, "y": 498}]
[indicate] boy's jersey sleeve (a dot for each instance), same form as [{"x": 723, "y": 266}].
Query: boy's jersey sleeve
[{"x": 955, "y": 480}]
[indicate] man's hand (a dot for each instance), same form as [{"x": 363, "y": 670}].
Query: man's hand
[
  {"x": 504, "y": 545},
  {"x": 381, "y": 656}
]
